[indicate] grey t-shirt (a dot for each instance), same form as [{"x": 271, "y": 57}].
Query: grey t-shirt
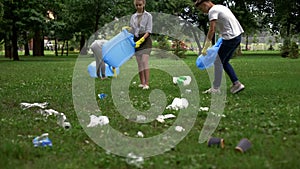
[
  {"x": 227, "y": 24},
  {"x": 141, "y": 23}
]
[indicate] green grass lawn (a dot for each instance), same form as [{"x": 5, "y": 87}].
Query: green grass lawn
[{"x": 266, "y": 112}]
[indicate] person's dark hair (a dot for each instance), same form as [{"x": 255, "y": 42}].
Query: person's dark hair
[{"x": 199, "y": 2}]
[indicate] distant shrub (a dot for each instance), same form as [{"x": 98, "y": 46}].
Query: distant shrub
[
  {"x": 72, "y": 48},
  {"x": 294, "y": 51},
  {"x": 284, "y": 49}
]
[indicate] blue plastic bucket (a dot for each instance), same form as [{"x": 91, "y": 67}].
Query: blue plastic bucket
[
  {"x": 119, "y": 49},
  {"x": 108, "y": 70}
]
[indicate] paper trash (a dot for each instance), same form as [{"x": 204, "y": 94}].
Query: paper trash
[
  {"x": 61, "y": 117},
  {"x": 203, "y": 108},
  {"x": 101, "y": 120},
  {"x": 161, "y": 118},
  {"x": 178, "y": 104},
  {"x": 29, "y": 105},
  {"x": 179, "y": 128}
]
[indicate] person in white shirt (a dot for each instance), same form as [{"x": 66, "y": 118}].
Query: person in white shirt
[
  {"x": 221, "y": 19},
  {"x": 96, "y": 47},
  {"x": 141, "y": 27}
]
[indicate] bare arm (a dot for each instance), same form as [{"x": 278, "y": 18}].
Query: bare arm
[
  {"x": 146, "y": 35},
  {"x": 211, "y": 31}
]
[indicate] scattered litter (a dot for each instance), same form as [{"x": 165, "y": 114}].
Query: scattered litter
[
  {"x": 243, "y": 145},
  {"x": 133, "y": 159},
  {"x": 216, "y": 141},
  {"x": 42, "y": 141},
  {"x": 178, "y": 104},
  {"x": 61, "y": 118},
  {"x": 185, "y": 80},
  {"x": 29, "y": 105},
  {"x": 140, "y": 134},
  {"x": 179, "y": 129},
  {"x": 134, "y": 83},
  {"x": 188, "y": 90},
  {"x": 101, "y": 120},
  {"x": 161, "y": 118},
  {"x": 218, "y": 115},
  {"x": 140, "y": 118},
  {"x": 204, "y": 108},
  {"x": 102, "y": 95}
]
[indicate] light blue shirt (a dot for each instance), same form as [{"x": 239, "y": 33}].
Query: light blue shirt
[{"x": 144, "y": 26}]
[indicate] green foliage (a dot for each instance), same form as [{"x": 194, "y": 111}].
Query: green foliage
[
  {"x": 178, "y": 49},
  {"x": 163, "y": 42},
  {"x": 1, "y": 11},
  {"x": 289, "y": 49},
  {"x": 294, "y": 51},
  {"x": 284, "y": 49}
]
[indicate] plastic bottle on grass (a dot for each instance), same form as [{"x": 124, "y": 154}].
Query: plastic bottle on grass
[
  {"x": 42, "y": 141},
  {"x": 102, "y": 95}
]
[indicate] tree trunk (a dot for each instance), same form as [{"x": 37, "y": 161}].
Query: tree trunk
[
  {"x": 26, "y": 47},
  {"x": 14, "y": 40},
  {"x": 196, "y": 39},
  {"x": 83, "y": 49},
  {"x": 55, "y": 47},
  {"x": 37, "y": 44},
  {"x": 8, "y": 49},
  {"x": 67, "y": 48},
  {"x": 62, "y": 48},
  {"x": 247, "y": 42}
]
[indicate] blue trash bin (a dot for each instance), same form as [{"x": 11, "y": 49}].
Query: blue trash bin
[{"x": 119, "y": 49}]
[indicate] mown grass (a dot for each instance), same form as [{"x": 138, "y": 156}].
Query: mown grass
[{"x": 266, "y": 112}]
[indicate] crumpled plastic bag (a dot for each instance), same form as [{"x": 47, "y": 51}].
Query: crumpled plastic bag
[
  {"x": 179, "y": 128},
  {"x": 25, "y": 106},
  {"x": 61, "y": 117},
  {"x": 101, "y": 120},
  {"x": 178, "y": 103},
  {"x": 185, "y": 80},
  {"x": 133, "y": 159},
  {"x": 161, "y": 118},
  {"x": 205, "y": 61}
]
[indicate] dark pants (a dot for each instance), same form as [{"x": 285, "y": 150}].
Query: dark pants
[{"x": 225, "y": 53}]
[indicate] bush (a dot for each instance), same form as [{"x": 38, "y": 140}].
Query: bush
[
  {"x": 285, "y": 48},
  {"x": 72, "y": 48},
  {"x": 289, "y": 49},
  {"x": 294, "y": 51}
]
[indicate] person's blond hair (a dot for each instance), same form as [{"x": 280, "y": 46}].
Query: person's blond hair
[{"x": 144, "y": 1}]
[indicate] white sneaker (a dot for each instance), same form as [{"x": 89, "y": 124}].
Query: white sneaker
[
  {"x": 140, "y": 85},
  {"x": 237, "y": 88},
  {"x": 212, "y": 91},
  {"x": 146, "y": 87}
]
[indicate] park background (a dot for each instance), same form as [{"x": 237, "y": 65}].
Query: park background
[{"x": 33, "y": 70}]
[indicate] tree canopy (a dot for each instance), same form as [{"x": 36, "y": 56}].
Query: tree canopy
[{"x": 61, "y": 20}]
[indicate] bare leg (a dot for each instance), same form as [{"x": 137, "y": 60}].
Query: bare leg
[
  {"x": 102, "y": 67},
  {"x": 146, "y": 72},
  {"x": 140, "y": 68}
]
